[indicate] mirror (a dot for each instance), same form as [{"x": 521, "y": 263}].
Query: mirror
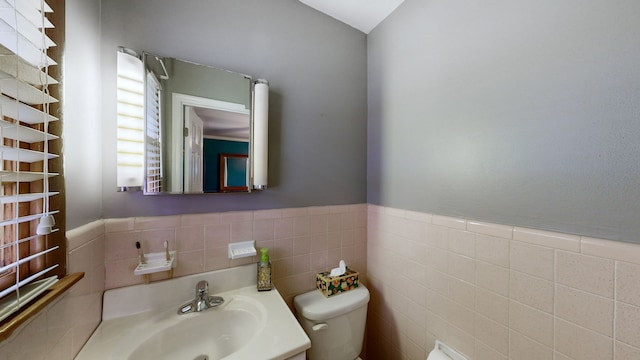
[{"x": 198, "y": 128}]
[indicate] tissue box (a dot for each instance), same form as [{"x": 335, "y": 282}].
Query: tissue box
[{"x": 330, "y": 286}]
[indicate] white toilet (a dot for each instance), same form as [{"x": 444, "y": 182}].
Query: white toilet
[{"x": 335, "y": 325}]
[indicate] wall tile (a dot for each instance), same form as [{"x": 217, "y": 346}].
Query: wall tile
[
  {"x": 302, "y": 245},
  {"x": 152, "y": 241},
  {"x": 233, "y": 217},
  {"x": 416, "y": 333},
  {"x": 585, "y": 309},
  {"x": 319, "y": 224},
  {"x": 416, "y": 251},
  {"x": 523, "y": 348},
  {"x": 242, "y": 231},
  {"x": 560, "y": 356},
  {"x": 121, "y": 245},
  {"x": 114, "y": 225},
  {"x": 436, "y": 280},
  {"x": 460, "y": 340},
  {"x": 283, "y": 228},
  {"x": 532, "y": 259},
  {"x": 437, "y": 236},
  {"x": 492, "y": 306},
  {"x": 615, "y": 250},
  {"x": 218, "y": 235},
  {"x": 531, "y": 291},
  {"x": 437, "y": 325},
  {"x": 540, "y": 295},
  {"x": 418, "y": 216},
  {"x": 493, "y": 334},
  {"x": 450, "y": 222},
  {"x": 626, "y": 352},
  {"x": 267, "y": 214},
  {"x": 264, "y": 229},
  {"x": 588, "y": 273},
  {"x": 462, "y": 242},
  {"x": 580, "y": 343},
  {"x": 437, "y": 259},
  {"x": 84, "y": 234},
  {"x": 461, "y": 267},
  {"x": 294, "y": 212},
  {"x": 501, "y": 231},
  {"x": 461, "y": 317},
  {"x": 283, "y": 248},
  {"x": 189, "y": 238},
  {"x": 157, "y": 222},
  {"x": 532, "y": 323},
  {"x": 628, "y": 283},
  {"x": 485, "y": 352},
  {"x": 462, "y": 292},
  {"x": 547, "y": 238},
  {"x": 492, "y": 250},
  {"x": 200, "y": 219},
  {"x": 492, "y": 277},
  {"x": 627, "y": 324},
  {"x": 216, "y": 258},
  {"x": 191, "y": 262}
]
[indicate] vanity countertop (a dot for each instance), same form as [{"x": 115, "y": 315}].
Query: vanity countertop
[{"x": 129, "y": 325}]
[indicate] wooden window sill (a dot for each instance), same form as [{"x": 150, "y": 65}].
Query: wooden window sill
[{"x": 12, "y": 323}]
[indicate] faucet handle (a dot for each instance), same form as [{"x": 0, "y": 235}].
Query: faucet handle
[{"x": 202, "y": 288}]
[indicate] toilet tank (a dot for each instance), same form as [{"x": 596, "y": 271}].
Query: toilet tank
[{"x": 335, "y": 325}]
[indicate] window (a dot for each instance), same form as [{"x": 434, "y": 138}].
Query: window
[{"x": 32, "y": 246}]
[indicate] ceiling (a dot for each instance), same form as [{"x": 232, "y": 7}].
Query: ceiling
[
  {"x": 223, "y": 124},
  {"x": 363, "y": 15}
]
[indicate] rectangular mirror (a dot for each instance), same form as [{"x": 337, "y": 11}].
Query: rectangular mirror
[{"x": 195, "y": 114}]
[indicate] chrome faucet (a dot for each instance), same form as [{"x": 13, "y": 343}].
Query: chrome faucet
[{"x": 203, "y": 300}]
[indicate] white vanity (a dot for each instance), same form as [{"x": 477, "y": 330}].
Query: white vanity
[{"x": 142, "y": 322}]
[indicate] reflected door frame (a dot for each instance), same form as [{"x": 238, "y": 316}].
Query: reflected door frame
[{"x": 178, "y": 104}]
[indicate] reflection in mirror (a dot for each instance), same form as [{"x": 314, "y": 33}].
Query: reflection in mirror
[
  {"x": 233, "y": 172},
  {"x": 212, "y": 128},
  {"x": 202, "y": 112}
]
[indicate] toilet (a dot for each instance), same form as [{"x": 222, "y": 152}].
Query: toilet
[{"x": 335, "y": 325}]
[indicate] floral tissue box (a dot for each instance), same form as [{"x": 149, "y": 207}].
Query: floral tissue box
[{"x": 334, "y": 285}]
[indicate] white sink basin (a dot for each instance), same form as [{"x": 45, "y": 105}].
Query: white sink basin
[
  {"x": 248, "y": 325},
  {"x": 215, "y": 333}
]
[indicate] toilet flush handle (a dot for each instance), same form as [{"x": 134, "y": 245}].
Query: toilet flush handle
[{"x": 321, "y": 326}]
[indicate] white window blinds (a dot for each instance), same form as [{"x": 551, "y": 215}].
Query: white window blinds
[{"x": 26, "y": 219}]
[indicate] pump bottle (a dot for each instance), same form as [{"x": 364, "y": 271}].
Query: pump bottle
[{"x": 264, "y": 271}]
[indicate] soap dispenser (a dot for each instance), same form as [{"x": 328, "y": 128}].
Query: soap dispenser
[{"x": 264, "y": 271}]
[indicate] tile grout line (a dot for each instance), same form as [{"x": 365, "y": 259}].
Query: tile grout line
[{"x": 615, "y": 306}]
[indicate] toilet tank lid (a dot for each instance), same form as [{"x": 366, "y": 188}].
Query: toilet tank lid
[{"x": 315, "y": 306}]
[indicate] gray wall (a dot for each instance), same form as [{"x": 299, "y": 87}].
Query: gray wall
[
  {"x": 316, "y": 69},
  {"x": 82, "y": 116},
  {"x": 523, "y": 113}
]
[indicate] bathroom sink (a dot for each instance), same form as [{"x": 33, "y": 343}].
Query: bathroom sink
[
  {"x": 140, "y": 322},
  {"x": 211, "y": 334}
]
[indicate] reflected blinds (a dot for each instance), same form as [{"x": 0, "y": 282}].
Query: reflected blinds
[
  {"x": 26, "y": 248},
  {"x": 153, "y": 168}
]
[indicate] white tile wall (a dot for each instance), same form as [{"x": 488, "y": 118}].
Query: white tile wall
[
  {"x": 491, "y": 291},
  {"x": 62, "y": 328},
  {"x": 498, "y": 292},
  {"x": 302, "y": 242}
]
